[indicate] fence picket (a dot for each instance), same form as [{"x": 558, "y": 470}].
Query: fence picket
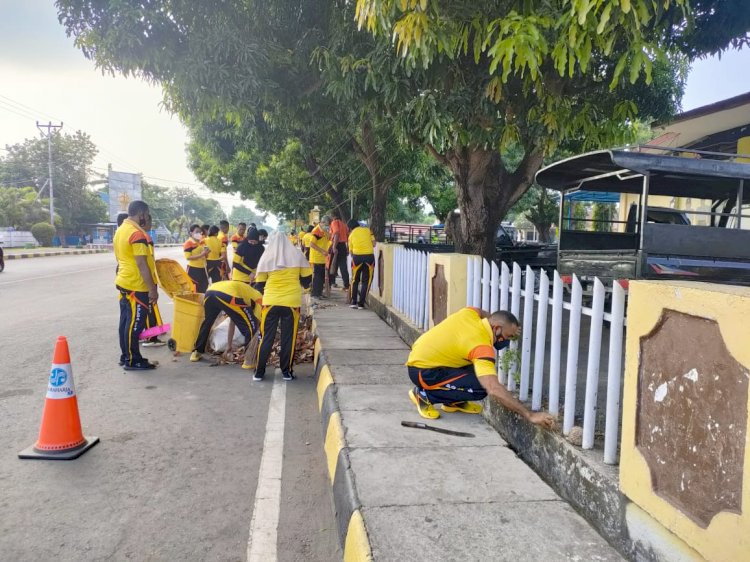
[
  {"x": 477, "y": 296},
  {"x": 614, "y": 372},
  {"x": 555, "y": 345},
  {"x": 571, "y": 369},
  {"x": 592, "y": 371},
  {"x": 541, "y": 340},
  {"x": 528, "y": 329},
  {"x": 515, "y": 308},
  {"x": 504, "y": 283},
  {"x": 485, "y": 285}
]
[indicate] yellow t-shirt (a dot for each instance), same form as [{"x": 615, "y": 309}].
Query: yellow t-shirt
[
  {"x": 320, "y": 239},
  {"x": 236, "y": 239},
  {"x": 242, "y": 294},
  {"x": 360, "y": 241},
  {"x": 283, "y": 286},
  {"x": 222, "y": 238},
  {"x": 464, "y": 338},
  {"x": 307, "y": 238},
  {"x": 193, "y": 248},
  {"x": 131, "y": 240},
  {"x": 214, "y": 244}
]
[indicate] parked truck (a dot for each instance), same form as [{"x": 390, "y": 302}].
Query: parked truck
[{"x": 660, "y": 243}]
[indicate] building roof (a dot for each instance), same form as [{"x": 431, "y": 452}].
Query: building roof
[{"x": 695, "y": 127}]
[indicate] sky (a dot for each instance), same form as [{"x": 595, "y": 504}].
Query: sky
[{"x": 44, "y": 77}]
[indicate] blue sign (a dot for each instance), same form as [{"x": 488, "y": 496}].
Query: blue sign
[{"x": 58, "y": 377}]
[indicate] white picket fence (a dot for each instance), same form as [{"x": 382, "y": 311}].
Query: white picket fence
[
  {"x": 491, "y": 288},
  {"x": 410, "y": 289}
]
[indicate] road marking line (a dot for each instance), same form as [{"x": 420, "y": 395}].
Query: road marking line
[
  {"x": 261, "y": 542},
  {"x": 68, "y": 273}
]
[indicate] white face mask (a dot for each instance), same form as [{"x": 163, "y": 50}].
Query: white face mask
[{"x": 198, "y": 235}]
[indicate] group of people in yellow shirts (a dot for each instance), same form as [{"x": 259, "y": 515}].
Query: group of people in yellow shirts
[
  {"x": 327, "y": 245},
  {"x": 261, "y": 292}
]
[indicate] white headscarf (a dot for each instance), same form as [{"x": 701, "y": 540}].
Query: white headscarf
[{"x": 281, "y": 254}]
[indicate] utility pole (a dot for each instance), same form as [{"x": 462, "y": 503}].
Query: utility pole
[{"x": 49, "y": 126}]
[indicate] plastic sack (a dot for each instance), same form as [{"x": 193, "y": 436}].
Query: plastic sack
[{"x": 217, "y": 340}]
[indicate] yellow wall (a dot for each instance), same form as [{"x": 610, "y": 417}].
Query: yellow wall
[
  {"x": 387, "y": 252},
  {"x": 743, "y": 147},
  {"x": 455, "y": 273},
  {"x": 727, "y": 537}
]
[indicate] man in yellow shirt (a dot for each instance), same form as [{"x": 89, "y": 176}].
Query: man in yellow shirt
[
  {"x": 453, "y": 364},
  {"x": 136, "y": 282},
  {"x": 237, "y": 300},
  {"x": 238, "y": 236},
  {"x": 363, "y": 263},
  {"x": 282, "y": 274}
]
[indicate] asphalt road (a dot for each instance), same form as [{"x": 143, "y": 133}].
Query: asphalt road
[{"x": 175, "y": 474}]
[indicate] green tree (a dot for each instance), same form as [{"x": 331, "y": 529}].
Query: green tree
[
  {"x": 163, "y": 205},
  {"x": 488, "y": 80},
  {"x": 602, "y": 215},
  {"x": 72, "y": 156},
  {"x": 20, "y": 207},
  {"x": 543, "y": 211},
  {"x": 243, "y": 213}
]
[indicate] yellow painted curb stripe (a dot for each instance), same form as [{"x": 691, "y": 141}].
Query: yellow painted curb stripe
[
  {"x": 314, "y": 326},
  {"x": 316, "y": 352},
  {"x": 334, "y": 442},
  {"x": 357, "y": 546},
  {"x": 324, "y": 381}
]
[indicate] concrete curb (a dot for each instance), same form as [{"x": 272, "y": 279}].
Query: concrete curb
[
  {"x": 56, "y": 253},
  {"x": 352, "y": 530}
]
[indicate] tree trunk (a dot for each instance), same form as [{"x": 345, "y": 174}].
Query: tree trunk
[
  {"x": 369, "y": 154},
  {"x": 485, "y": 191},
  {"x": 336, "y": 192}
]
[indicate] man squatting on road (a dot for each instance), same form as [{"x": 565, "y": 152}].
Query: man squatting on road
[{"x": 453, "y": 364}]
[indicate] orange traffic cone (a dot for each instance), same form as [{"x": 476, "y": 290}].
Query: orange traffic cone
[{"x": 60, "y": 437}]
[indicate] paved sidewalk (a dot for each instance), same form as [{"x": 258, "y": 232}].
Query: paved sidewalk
[
  {"x": 57, "y": 252},
  {"x": 411, "y": 494}
]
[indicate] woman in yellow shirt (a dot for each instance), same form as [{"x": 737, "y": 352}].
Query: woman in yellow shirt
[
  {"x": 282, "y": 274},
  {"x": 216, "y": 255},
  {"x": 195, "y": 253}
]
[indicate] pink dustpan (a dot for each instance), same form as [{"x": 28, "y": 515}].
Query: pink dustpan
[{"x": 154, "y": 331}]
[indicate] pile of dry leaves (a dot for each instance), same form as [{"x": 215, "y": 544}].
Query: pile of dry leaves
[{"x": 302, "y": 354}]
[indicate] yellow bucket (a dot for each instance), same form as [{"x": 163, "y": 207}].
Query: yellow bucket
[
  {"x": 188, "y": 317},
  {"x": 188, "y": 305}
]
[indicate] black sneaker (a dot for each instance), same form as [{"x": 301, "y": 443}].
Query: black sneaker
[
  {"x": 258, "y": 376},
  {"x": 288, "y": 376},
  {"x": 139, "y": 366}
]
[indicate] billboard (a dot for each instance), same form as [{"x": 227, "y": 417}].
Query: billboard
[{"x": 123, "y": 188}]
